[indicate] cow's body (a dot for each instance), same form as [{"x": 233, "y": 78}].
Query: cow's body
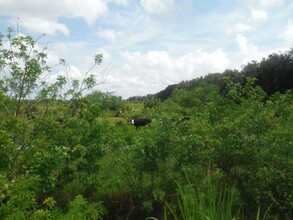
[{"x": 137, "y": 122}]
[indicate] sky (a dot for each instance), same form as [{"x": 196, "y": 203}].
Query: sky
[{"x": 150, "y": 44}]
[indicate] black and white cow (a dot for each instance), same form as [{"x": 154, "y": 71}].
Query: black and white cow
[{"x": 137, "y": 122}]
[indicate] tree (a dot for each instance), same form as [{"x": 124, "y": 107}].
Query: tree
[
  {"x": 21, "y": 66},
  {"x": 40, "y": 152},
  {"x": 273, "y": 74},
  {"x": 22, "y": 63}
]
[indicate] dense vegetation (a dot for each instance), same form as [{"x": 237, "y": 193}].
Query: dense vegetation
[{"x": 64, "y": 156}]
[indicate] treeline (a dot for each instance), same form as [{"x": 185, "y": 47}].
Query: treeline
[{"x": 273, "y": 74}]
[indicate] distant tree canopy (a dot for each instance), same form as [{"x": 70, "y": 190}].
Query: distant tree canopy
[
  {"x": 137, "y": 98},
  {"x": 273, "y": 74},
  {"x": 107, "y": 100}
]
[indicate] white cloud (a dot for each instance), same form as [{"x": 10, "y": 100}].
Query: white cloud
[
  {"x": 157, "y": 6},
  {"x": 287, "y": 35},
  {"x": 89, "y": 10},
  {"x": 86, "y": 9},
  {"x": 249, "y": 52},
  {"x": 150, "y": 72},
  {"x": 121, "y": 2},
  {"x": 267, "y": 3},
  {"x": 242, "y": 27},
  {"x": 109, "y": 34},
  {"x": 199, "y": 63},
  {"x": 75, "y": 73},
  {"x": 249, "y": 23},
  {"x": 152, "y": 66},
  {"x": 243, "y": 45},
  {"x": 43, "y": 26},
  {"x": 258, "y": 15},
  {"x": 159, "y": 59},
  {"x": 43, "y": 15}
]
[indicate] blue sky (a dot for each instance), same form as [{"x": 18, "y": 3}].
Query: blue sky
[{"x": 150, "y": 44}]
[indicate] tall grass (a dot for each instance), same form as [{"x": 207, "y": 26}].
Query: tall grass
[
  {"x": 213, "y": 202},
  {"x": 266, "y": 215}
]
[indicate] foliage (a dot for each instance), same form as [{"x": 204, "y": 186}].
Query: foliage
[
  {"x": 151, "y": 101},
  {"x": 212, "y": 202},
  {"x": 274, "y": 73},
  {"x": 66, "y": 156},
  {"x": 107, "y": 101},
  {"x": 80, "y": 209},
  {"x": 21, "y": 64}
]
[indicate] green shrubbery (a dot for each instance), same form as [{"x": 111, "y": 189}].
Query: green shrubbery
[{"x": 75, "y": 158}]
